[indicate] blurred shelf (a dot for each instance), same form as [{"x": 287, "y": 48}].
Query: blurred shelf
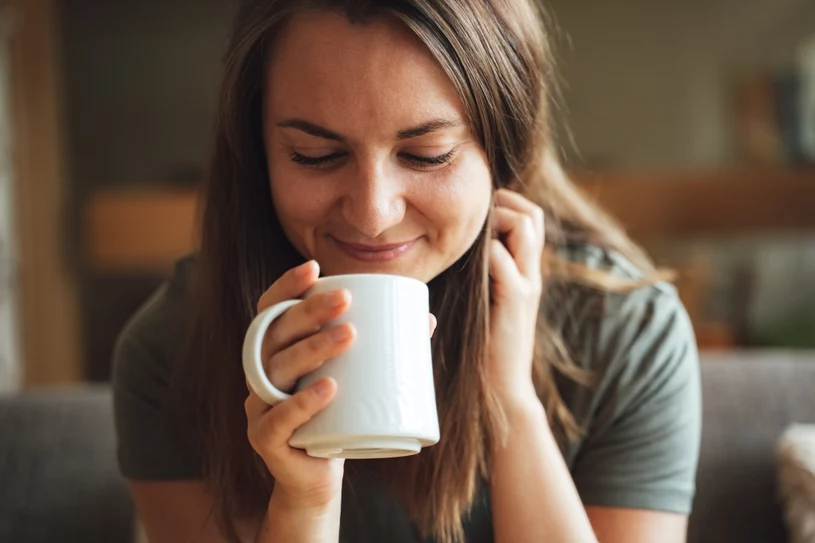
[
  {"x": 145, "y": 230},
  {"x": 138, "y": 231},
  {"x": 714, "y": 336},
  {"x": 723, "y": 203}
]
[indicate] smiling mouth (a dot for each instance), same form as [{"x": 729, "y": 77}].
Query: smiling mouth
[{"x": 375, "y": 253}]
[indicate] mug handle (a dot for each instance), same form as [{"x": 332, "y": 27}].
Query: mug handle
[{"x": 252, "y": 358}]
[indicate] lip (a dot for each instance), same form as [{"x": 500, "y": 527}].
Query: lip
[{"x": 375, "y": 253}]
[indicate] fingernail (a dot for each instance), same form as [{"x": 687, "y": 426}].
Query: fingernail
[
  {"x": 322, "y": 388},
  {"x": 336, "y": 299},
  {"x": 305, "y": 269},
  {"x": 340, "y": 333}
]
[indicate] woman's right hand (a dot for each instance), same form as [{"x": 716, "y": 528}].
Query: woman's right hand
[{"x": 293, "y": 346}]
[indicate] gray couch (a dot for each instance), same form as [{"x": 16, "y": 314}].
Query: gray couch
[
  {"x": 58, "y": 476},
  {"x": 59, "y": 482},
  {"x": 749, "y": 398}
]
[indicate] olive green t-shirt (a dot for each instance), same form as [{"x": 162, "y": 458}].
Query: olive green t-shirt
[{"x": 641, "y": 416}]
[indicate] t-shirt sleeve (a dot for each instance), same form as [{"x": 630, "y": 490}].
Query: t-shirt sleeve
[
  {"x": 642, "y": 446},
  {"x": 149, "y": 443}
]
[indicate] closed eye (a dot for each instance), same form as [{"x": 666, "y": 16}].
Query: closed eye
[
  {"x": 416, "y": 160},
  {"x": 431, "y": 160},
  {"x": 315, "y": 162}
]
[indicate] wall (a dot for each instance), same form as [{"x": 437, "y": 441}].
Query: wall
[
  {"x": 140, "y": 86},
  {"x": 646, "y": 87},
  {"x": 141, "y": 80},
  {"x": 647, "y": 82}
]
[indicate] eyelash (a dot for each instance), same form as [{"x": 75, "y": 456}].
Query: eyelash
[{"x": 424, "y": 162}]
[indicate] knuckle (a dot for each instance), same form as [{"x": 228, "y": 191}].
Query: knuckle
[
  {"x": 312, "y": 306},
  {"x": 311, "y": 348},
  {"x": 531, "y": 289},
  {"x": 269, "y": 432},
  {"x": 273, "y": 371},
  {"x": 325, "y": 340},
  {"x": 255, "y": 440},
  {"x": 317, "y": 344},
  {"x": 301, "y": 402},
  {"x": 262, "y": 303},
  {"x": 273, "y": 339},
  {"x": 267, "y": 299}
]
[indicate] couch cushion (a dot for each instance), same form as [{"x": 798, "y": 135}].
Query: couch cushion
[
  {"x": 749, "y": 399},
  {"x": 60, "y": 481}
]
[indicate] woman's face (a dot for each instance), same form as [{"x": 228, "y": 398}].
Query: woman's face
[{"x": 372, "y": 166}]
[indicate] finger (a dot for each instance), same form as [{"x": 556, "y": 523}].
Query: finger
[
  {"x": 292, "y": 284},
  {"x": 503, "y": 270},
  {"x": 277, "y": 426},
  {"x": 521, "y": 239},
  {"x": 254, "y": 406},
  {"x": 305, "y": 356},
  {"x": 519, "y": 203},
  {"x": 433, "y": 323},
  {"x": 307, "y": 318}
]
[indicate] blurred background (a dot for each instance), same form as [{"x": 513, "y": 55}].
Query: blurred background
[{"x": 692, "y": 121}]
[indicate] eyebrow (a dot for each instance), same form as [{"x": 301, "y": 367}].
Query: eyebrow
[{"x": 413, "y": 132}]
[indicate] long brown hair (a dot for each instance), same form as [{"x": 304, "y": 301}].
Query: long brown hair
[{"x": 498, "y": 56}]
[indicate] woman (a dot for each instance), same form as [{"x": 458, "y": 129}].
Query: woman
[{"x": 409, "y": 137}]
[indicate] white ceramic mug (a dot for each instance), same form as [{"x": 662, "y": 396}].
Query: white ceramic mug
[{"x": 385, "y": 404}]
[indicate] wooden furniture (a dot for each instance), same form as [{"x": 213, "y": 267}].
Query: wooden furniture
[
  {"x": 145, "y": 230},
  {"x": 138, "y": 231},
  {"x": 48, "y": 291},
  {"x": 723, "y": 203}
]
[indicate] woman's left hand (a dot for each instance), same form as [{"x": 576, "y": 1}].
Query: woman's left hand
[{"x": 515, "y": 284}]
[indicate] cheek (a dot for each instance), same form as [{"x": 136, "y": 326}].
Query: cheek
[
  {"x": 299, "y": 203},
  {"x": 301, "y": 207},
  {"x": 459, "y": 204}
]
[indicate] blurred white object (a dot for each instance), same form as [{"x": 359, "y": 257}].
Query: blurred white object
[
  {"x": 10, "y": 372},
  {"x": 796, "y": 481},
  {"x": 141, "y": 533}
]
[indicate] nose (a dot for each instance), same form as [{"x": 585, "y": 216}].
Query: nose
[{"x": 374, "y": 200}]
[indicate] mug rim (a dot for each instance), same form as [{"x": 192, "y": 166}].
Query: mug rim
[{"x": 369, "y": 276}]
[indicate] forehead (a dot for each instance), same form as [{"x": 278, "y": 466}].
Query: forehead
[{"x": 327, "y": 69}]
